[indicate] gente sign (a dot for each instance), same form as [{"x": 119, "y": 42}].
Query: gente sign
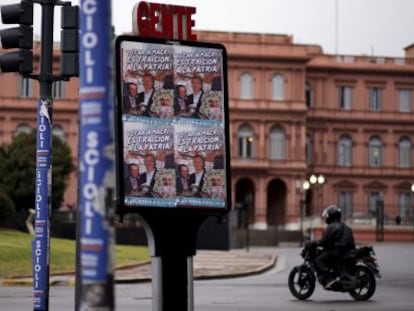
[{"x": 163, "y": 21}]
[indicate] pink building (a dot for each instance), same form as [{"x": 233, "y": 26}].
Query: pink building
[{"x": 294, "y": 112}]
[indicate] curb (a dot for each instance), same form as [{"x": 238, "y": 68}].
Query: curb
[
  {"x": 28, "y": 281},
  {"x": 56, "y": 279},
  {"x": 269, "y": 265}
]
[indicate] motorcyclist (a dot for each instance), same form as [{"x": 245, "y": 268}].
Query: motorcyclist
[{"x": 337, "y": 240}]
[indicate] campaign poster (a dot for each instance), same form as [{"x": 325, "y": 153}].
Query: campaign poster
[
  {"x": 149, "y": 162},
  {"x": 199, "y": 152},
  {"x": 172, "y": 110},
  {"x": 198, "y": 73},
  {"x": 148, "y": 80}
]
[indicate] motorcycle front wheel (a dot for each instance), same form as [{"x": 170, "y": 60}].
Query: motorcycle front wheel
[
  {"x": 301, "y": 282},
  {"x": 366, "y": 284}
]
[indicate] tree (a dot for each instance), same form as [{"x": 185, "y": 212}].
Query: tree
[
  {"x": 18, "y": 168},
  {"x": 7, "y": 209}
]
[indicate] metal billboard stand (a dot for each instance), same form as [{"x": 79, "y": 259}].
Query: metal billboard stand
[
  {"x": 154, "y": 145},
  {"x": 172, "y": 244}
]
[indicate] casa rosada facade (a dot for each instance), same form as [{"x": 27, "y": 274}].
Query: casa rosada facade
[{"x": 307, "y": 129}]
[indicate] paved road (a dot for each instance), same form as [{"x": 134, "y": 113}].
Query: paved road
[
  {"x": 395, "y": 291},
  {"x": 263, "y": 292}
]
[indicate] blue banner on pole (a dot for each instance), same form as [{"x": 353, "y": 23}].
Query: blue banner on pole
[
  {"x": 96, "y": 140},
  {"x": 40, "y": 244}
]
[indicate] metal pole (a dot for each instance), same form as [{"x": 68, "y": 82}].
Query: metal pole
[
  {"x": 97, "y": 158},
  {"x": 172, "y": 263},
  {"x": 302, "y": 204},
  {"x": 247, "y": 211},
  {"x": 43, "y": 185}
]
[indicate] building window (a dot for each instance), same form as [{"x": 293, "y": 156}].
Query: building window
[
  {"x": 404, "y": 152},
  {"x": 246, "y": 86},
  {"x": 345, "y": 203},
  {"x": 278, "y": 87},
  {"x": 375, "y": 152},
  {"x": 404, "y": 100},
  {"x": 308, "y": 94},
  {"x": 405, "y": 209},
  {"x": 58, "y": 132},
  {"x": 309, "y": 151},
  {"x": 58, "y": 89},
  {"x": 245, "y": 140},
  {"x": 375, "y": 99},
  {"x": 345, "y": 97},
  {"x": 344, "y": 151},
  {"x": 25, "y": 87},
  {"x": 277, "y": 143},
  {"x": 22, "y": 128},
  {"x": 374, "y": 197}
]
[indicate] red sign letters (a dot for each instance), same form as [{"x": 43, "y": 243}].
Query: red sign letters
[{"x": 163, "y": 21}]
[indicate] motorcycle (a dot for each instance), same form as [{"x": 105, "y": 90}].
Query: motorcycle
[{"x": 354, "y": 274}]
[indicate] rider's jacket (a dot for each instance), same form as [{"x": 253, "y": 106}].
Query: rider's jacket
[{"x": 339, "y": 237}]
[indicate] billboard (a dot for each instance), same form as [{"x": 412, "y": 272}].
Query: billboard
[{"x": 172, "y": 125}]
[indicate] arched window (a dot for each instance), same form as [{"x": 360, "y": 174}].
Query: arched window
[
  {"x": 345, "y": 203},
  {"x": 277, "y": 143},
  {"x": 278, "y": 87},
  {"x": 58, "y": 89},
  {"x": 58, "y": 131},
  {"x": 245, "y": 137},
  {"x": 404, "y": 152},
  {"x": 309, "y": 150},
  {"x": 308, "y": 94},
  {"x": 345, "y": 97},
  {"x": 344, "y": 151},
  {"x": 405, "y": 207},
  {"x": 246, "y": 86},
  {"x": 23, "y": 128},
  {"x": 375, "y": 152},
  {"x": 25, "y": 87}
]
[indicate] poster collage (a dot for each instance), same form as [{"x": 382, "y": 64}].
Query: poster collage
[{"x": 173, "y": 126}]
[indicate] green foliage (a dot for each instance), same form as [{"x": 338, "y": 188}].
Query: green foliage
[
  {"x": 7, "y": 209},
  {"x": 16, "y": 254},
  {"x": 18, "y": 169}
]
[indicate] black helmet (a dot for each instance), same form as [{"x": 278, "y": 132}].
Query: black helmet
[{"x": 331, "y": 213}]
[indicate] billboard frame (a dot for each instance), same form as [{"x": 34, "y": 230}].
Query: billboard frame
[{"x": 121, "y": 121}]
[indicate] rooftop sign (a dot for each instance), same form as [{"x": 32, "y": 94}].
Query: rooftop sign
[{"x": 163, "y": 21}]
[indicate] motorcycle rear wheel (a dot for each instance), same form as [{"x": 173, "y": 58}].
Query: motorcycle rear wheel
[
  {"x": 367, "y": 284},
  {"x": 301, "y": 282}
]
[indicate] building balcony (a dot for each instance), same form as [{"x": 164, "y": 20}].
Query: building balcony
[
  {"x": 266, "y": 106},
  {"x": 266, "y": 164}
]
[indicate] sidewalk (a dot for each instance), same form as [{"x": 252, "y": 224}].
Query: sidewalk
[{"x": 206, "y": 265}]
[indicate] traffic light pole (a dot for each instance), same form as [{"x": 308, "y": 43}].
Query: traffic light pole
[
  {"x": 41, "y": 242},
  {"x": 41, "y": 247},
  {"x": 21, "y": 61}
]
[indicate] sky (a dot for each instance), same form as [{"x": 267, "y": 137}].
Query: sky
[{"x": 354, "y": 27}]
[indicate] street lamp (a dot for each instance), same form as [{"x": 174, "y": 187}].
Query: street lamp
[
  {"x": 305, "y": 187},
  {"x": 314, "y": 181},
  {"x": 317, "y": 181}
]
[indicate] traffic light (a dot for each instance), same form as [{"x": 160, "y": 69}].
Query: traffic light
[
  {"x": 69, "y": 42},
  {"x": 20, "y": 37}
]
